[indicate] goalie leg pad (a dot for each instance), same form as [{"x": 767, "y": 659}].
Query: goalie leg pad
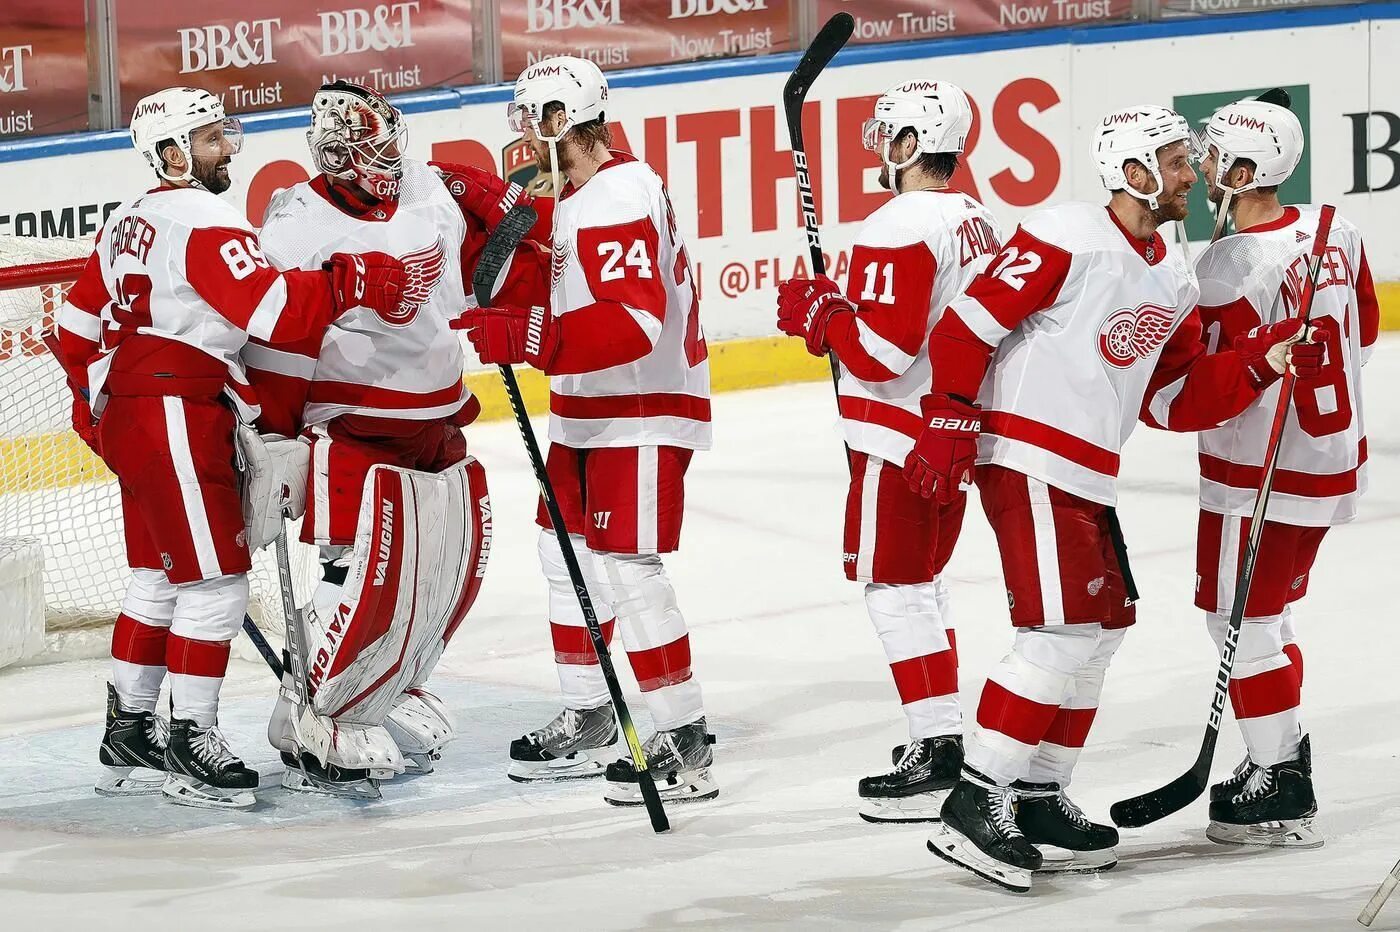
[
  {"x": 418, "y": 731},
  {"x": 419, "y": 558}
]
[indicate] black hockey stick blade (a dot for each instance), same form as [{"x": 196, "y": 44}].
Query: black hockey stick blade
[
  {"x": 498, "y": 250},
  {"x": 1163, "y": 801},
  {"x": 264, "y": 648},
  {"x": 823, "y": 49}
]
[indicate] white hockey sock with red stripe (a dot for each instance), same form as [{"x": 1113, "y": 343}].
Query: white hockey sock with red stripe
[
  {"x": 1054, "y": 760},
  {"x": 923, "y": 659},
  {"x": 1265, "y": 689},
  {"x": 208, "y": 613},
  {"x": 138, "y": 639},
  {"x": 655, "y": 635},
  {"x": 580, "y": 678}
]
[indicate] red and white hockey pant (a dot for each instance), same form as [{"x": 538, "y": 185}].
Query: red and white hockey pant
[
  {"x": 1267, "y": 678},
  {"x": 1039, "y": 703},
  {"x": 623, "y": 508},
  {"x": 898, "y": 542},
  {"x": 187, "y": 545}
]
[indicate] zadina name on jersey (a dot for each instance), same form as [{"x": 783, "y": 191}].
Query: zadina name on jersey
[
  {"x": 616, "y": 242},
  {"x": 911, "y": 258},
  {"x": 1257, "y": 277},
  {"x": 404, "y": 365}
]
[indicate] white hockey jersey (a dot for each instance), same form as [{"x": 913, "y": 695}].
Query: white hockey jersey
[
  {"x": 632, "y": 369},
  {"x": 175, "y": 287},
  {"x": 911, "y": 258},
  {"x": 1257, "y": 276},
  {"x": 1092, "y": 329},
  {"x": 405, "y": 365}
]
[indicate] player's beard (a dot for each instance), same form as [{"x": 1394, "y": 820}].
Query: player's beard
[
  {"x": 214, "y": 177},
  {"x": 542, "y": 157},
  {"x": 1171, "y": 209}
]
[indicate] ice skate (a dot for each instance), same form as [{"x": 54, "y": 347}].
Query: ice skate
[
  {"x": 679, "y": 760},
  {"x": 1067, "y": 840},
  {"x": 1275, "y": 807},
  {"x": 132, "y": 751},
  {"x": 1235, "y": 782},
  {"x": 203, "y": 772},
  {"x": 305, "y": 774},
  {"x": 979, "y": 834},
  {"x": 565, "y": 749},
  {"x": 925, "y": 772}
]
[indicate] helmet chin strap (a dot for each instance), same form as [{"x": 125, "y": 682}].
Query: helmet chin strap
[
  {"x": 1150, "y": 198},
  {"x": 894, "y": 168},
  {"x": 1224, "y": 163},
  {"x": 187, "y": 177}
]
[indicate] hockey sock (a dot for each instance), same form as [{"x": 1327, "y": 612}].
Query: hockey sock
[
  {"x": 1022, "y": 696},
  {"x": 1290, "y": 644},
  {"x": 1054, "y": 760},
  {"x": 196, "y": 674},
  {"x": 656, "y": 638},
  {"x": 138, "y": 639},
  {"x": 921, "y": 655},
  {"x": 1265, "y": 693},
  {"x": 580, "y": 678}
]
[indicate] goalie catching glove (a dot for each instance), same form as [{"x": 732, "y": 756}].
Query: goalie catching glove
[
  {"x": 945, "y": 452},
  {"x": 811, "y": 308},
  {"x": 505, "y": 336}
]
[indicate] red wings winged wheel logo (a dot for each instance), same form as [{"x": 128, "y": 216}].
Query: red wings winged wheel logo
[
  {"x": 1127, "y": 336},
  {"x": 424, "y": 268}
]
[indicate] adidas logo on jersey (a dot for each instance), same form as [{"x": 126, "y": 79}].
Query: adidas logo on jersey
[{"x": 1300, "y": 236}]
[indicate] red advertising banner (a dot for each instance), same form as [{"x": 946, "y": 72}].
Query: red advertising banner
[
  {"x": 902, "y": 20},
  {"x": 630, "y": 33},
  {"x": 276, "y": 53},
  {"x": 43, "y": 67}
]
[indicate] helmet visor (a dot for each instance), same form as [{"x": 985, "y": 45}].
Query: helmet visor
[
  {"x": 522, "y": 115},
  {"x": 877, "y": 134}
]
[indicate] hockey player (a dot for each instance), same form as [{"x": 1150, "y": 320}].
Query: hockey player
[
  {"x": 617, "y": 330},
  {"x": 1251, "y": 278},
  {"x": 150, "y": 336},
  {"x": 910, "y": 259},
  {"x": 376, "y": 389},
  {"x": 1083, "y": 324}
]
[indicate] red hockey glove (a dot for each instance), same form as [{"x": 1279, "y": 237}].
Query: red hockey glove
[
  {"x": 373, "y": 279},
  {"x": 481, "y": 194},
  {"x": 943, "y": 456},
  {"x": 83, "y": 424},
  {"x": 806, "y": 307},
  {"x": 504, "y": 336},
  {"x": 1267, "y": 349}
]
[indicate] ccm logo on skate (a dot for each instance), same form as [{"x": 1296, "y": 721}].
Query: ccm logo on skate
[
  {"x": 973, "y": 425},
  {"x": 386, "y": 541}
]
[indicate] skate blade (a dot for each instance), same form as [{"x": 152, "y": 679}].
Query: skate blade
[
  {"x": 1290, "y": 833},
  {"x": 299, "y": 782},
  {"x": 130, "y": 781},
  {"x": 186, "y": 791},
  {"x": 1064, "y": 861},
  {"x": 922, "y": 807},
  {"x": 691, "y": 786},
  {"x": 419, "y": 764},
  {"x": 579, "y": 765},
  {"x": 952, "y": 847}
]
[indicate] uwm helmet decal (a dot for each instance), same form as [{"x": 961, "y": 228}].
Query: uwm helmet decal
[{"x": 1129, "y": 335}]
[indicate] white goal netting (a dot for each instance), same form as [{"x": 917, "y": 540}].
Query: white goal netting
[{"x": 52, "y": 488}]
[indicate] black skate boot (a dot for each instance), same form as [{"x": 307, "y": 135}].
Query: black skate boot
[
  {"x": 914, "y": 791},
  {"x": 980, "y": 834},
  {"x": 1235, "y": 782},
  {"x": 202, "y": 770},
  {"x": 679, "y": 760},
  {"x": 1274, "y": 808},
  {"x": 132, "y": 751},
  {"x": 564, "y": 749},
  {"x": 1050, "y": 820}
]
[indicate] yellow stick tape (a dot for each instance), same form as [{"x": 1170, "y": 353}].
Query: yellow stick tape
[{"x": 60, "y": 460}]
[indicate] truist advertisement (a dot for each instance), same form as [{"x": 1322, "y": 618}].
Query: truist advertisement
[
  {"x": 629, "y": 33},
  {"x": 43, "y": 67},
  {"x": 902, "y": 20},
  {"x": 265, "y": 54}
]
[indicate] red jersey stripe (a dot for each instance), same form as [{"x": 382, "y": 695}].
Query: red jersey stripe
[
  {"x": 655, "y": 404},
  {"x": 1075, "y": 449}
]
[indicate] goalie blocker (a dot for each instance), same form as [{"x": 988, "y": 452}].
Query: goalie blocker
[{"x": 419, "y": 557}]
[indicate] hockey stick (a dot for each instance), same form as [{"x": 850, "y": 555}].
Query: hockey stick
[
  {"x": 1383, "y": 892},
  {"x": 1149, "y": 807},
  {"x": 494, "y": 255},
  {"x": 824, "y": 47},
  {"x": 264, "y": 648}
]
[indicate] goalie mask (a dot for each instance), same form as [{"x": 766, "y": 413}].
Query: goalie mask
[
  {"x": 1138, "y": 134},
  {"x": 939, "y": 113},
  {"x": 356, "y": 135}
]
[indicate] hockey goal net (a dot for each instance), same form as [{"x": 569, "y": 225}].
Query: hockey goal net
[{"x": 56, "y": 491}]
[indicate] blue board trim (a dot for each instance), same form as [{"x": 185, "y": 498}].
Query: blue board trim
[{"x": 450, "y": 98}]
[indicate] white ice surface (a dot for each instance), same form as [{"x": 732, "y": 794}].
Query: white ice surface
[{"x": 801, "y": 699}]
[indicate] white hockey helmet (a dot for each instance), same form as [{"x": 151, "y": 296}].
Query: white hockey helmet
[
  {"x": 172, "y": 115},
  {"x": 357, "y": 135},
  {"x": 576, "y": 83},
  {"x": 939, "y": 113},
  {"x": 1266, "y": 134},
  {"x": 1137, "y": 134}
]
